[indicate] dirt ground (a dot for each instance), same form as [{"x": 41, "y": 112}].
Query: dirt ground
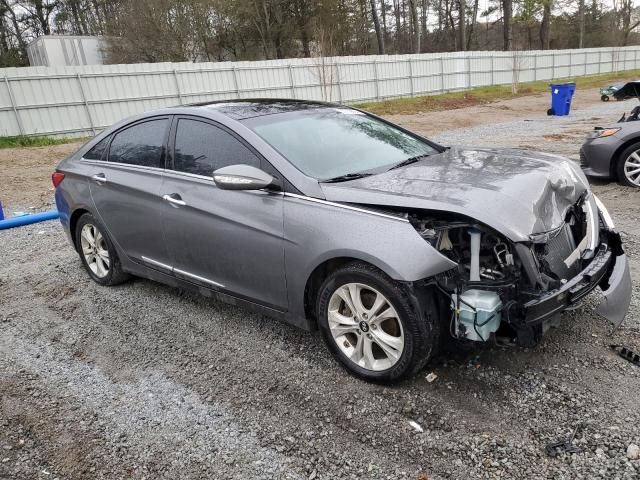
[{"x": 144, "y": 381}]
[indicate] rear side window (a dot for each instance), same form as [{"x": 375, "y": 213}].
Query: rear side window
[
  {"x": 97, "y": 152},
  {"x": 201, "y": 148},
  {"x": 141, "y": 144}
]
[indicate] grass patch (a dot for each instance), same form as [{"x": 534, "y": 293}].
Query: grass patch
[
  {"x": 483, "y": 95},
  {"x": 27, "y": 141}
]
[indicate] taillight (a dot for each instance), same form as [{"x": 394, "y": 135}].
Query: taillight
[{"x": 56, "y": 178}]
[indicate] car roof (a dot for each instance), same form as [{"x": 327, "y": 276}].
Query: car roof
[{"x": 258, "y": 107}]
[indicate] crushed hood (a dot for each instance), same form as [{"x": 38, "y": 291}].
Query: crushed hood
[{"x": 516, "y": 192}]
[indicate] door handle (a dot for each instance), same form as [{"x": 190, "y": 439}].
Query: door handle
[
  {"x": 99, "y": 178},
  {"x": 174, "y": 199}
]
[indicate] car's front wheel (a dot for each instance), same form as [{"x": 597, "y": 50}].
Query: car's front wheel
[
  {"x": 628, "y": 166},
  {"x": 373, "y": 325},
  {"x": 97, "y": 252}
]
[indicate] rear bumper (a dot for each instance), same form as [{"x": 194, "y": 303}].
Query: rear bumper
[{"x": 607, "y": 270}]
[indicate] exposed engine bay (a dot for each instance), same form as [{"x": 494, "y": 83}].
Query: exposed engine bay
[{"x": 495, "y": 278}]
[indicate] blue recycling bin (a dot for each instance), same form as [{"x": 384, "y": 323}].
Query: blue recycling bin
[{"x": 561, "y": 95}]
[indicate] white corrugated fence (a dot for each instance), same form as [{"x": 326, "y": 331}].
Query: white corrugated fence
[{"x": 82, "y": 100}]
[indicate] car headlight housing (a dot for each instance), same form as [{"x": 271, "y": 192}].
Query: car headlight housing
[{"x": 604, "y": 132}]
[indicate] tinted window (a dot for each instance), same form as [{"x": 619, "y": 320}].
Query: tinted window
[
  {"x": 98, "y": 150},
  {"x": 202, "y": 148},
  {"x": 140, "y": 145},
  {"x": 330, "y": 142}
]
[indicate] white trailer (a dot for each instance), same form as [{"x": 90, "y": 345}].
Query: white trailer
[{"x": 64, "y": 50}]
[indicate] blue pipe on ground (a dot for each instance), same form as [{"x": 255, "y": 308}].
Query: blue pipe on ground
[{"x": 28, "y": 219}]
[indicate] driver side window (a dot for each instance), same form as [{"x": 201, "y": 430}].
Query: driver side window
[{"x": 201, "y": 148}]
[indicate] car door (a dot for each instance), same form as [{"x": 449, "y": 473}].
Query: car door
[
  {"x": 228, "y": 240},
  {"x": 125, "y": 186}
]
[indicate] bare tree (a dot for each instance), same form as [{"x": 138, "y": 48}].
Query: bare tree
[
  {"x": 376, "y": 24},
  {"x": 324, "y": 51},
  {"x": 545, "y": 25},
  {"x": 507, "y": 17},
  {"x": 473, "y": 23},
  {"x": 415, "y": 25},
  {"x": 462, "y": 24},
  {"x": 580, "y": 23}
]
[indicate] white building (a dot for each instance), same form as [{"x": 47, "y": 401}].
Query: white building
[{"x": 60, "y": 50}]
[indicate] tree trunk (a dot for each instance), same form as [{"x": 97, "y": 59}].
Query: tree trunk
[
  {"x": 462, "y": 24},
  {"x": 507, "y": 16},
  {"x": 396, "y": 12},
  {"x": 376, "y": 24},
  {"x": 473, "y": 24},
  {"x": 415, "y": 25},
  {"x": 545, "y": 30},
  {"x": 581, "y": 23},
  {"x": 383, "y": 10},
  {"x": 423, "y": 18},
  {"x": 42, "y": 18},
  {"x": 16, "y": 28}
]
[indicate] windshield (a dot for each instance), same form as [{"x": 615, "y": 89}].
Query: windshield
[{"x": 332, "y": 142}]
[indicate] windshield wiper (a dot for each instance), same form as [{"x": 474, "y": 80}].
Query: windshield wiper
[
  {"x": 346, "y": 177},
  {"x": 409, "y": 161}
]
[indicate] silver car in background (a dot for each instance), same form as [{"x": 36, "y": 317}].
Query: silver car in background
[{"x": 328, "y": 217}]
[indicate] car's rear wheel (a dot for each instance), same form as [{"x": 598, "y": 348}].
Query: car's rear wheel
[
  {"x": 628, "y": 166},
  {"x": 604, "y": 98},
  {"x": 97, "y": 253},
  {"x": 373, "y": 325}
]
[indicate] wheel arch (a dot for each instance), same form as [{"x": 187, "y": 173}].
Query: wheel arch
[
  {"x": 73, "y": 221},
  {"x": 616, "y": 156},
  {"x": 329, "y": 265}
]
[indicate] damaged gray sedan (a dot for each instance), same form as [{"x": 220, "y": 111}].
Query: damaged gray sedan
[{"x": 328, "y": 217}]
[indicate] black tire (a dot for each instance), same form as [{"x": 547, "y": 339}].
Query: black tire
[
  {"x": 417, "y": 314},
  {"x": 115, "y": 274},
  {"x": 622, "y": 178},
  {"x": 604, "y": 98},
  {"x": 550, "y": 111}
]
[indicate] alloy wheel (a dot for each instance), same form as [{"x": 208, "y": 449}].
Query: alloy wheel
[
  {"x": 94, "y": 250},
  {"x": 365, "y": 326},
  {"x": 632, "y": 168}
]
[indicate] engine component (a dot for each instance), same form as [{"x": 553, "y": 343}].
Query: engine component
[{"x": 478, "y": 314}]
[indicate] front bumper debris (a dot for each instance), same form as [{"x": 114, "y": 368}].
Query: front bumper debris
[
  {"x": 617, "y": 296},
  {"x": 604, "y": 268}
]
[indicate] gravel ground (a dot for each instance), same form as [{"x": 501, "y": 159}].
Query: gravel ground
[{"x": 144, "y": 381}]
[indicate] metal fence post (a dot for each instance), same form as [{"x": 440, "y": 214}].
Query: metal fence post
[
  {"x": 635, "y": 59},
  {"x": 86, "y": 105},
  {"x": 175, "y": 77},
  {"x": 570, "y": 62},
  {"x": 442, "y": 73},
  {"x": 553, "y": 66},
  {"x": 14, "y": 105},
  {"x": 599, "y": 61},
  {"x": 291, "y": 85},
  {"x": 411, "y": 77},
  {"x": 535, "y": 68},
  {"x": 493, "y": 81},
  {"x": 235, "y": 81},
  {"x": 375, "y": 78},
  {"x": 337, "y": 65},
  {"x": 468, "y": 62}
]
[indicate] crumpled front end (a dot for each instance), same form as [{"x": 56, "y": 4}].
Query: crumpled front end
[{"x": 516, "y": 289}]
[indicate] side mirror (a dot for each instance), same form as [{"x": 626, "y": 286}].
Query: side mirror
[{"x": 241, "y": 177}]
